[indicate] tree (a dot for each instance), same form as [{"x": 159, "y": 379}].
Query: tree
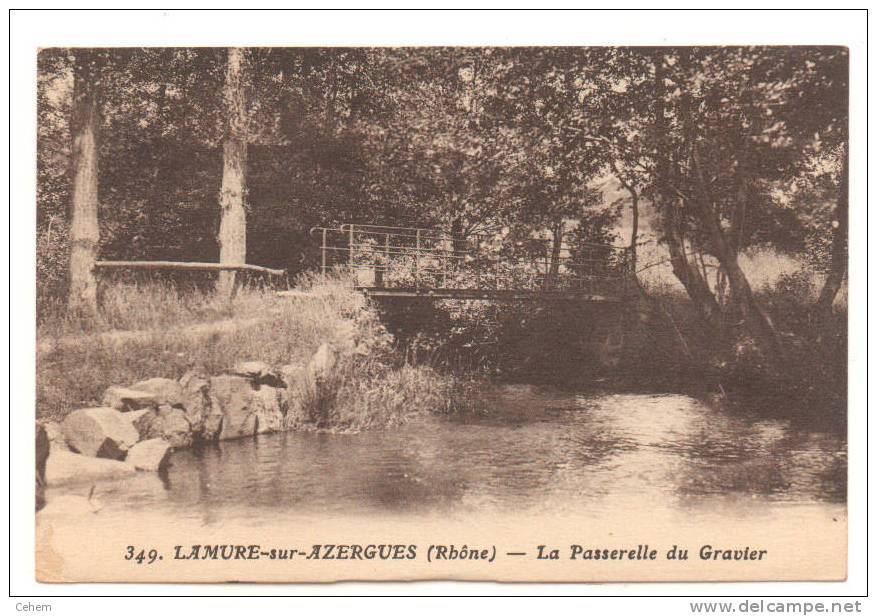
[
  {"x": 839, "y": 249},
  {"x": 84, "y": 228},
  {"x": 233, "y": 218},
  {"x": 668, "y": 201}
]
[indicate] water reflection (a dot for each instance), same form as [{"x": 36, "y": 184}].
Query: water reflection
[{"x": 534, "y": 450}]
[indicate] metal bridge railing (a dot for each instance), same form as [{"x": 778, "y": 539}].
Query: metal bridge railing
[{"x": 383, "y": 257}]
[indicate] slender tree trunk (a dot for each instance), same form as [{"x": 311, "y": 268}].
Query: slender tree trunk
[
  {"x": 634, "y": 228},
  {"x": 556, "y": 246},
  {"x": 738, "y": 219},
  {"x": 754, "y": 317},
  {"x": 756, "y": 320},
  {"x": 839, "y": 251},
  {"x": 84, "y": 228},
  {"x": 233, "y": 221},
  {"x": 672, "y": 212},
  {"x": 687, "y": 273}
]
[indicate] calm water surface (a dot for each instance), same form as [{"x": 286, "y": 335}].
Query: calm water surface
[{"x": 536, "y": 449}]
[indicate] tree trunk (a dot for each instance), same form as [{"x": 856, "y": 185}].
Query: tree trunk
[
  {"x": 755, "y": 319},
  {"x": 84, "y": 229},
  {"x": 757, "y": 322},
  {"x": 687, "y": 273},
  {"x": 839, "y": 251},
  {"x": 233, "y": 221},
  {"x": 669, "y": 205},
  {"x": 556, "y": 246},
  {"x": 634, "y": 227}
]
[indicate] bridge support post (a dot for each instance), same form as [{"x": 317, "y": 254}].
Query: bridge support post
[
  {"x": 350, "y": 250},
  {"x": 417, "y": 259}
]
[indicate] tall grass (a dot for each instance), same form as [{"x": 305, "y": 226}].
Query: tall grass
[
  {"x": 148, "y": 304},
  {"x": 154, "y": 331}
]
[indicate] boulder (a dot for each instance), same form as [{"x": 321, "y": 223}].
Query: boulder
[
  {"x": 322, "y": 363},
  {"x": 64, "y": 467},
  {"x": 42, "y": 453},
  {"x": 251, "y": 369},
  {"x": 150, "y": 455},
  {"x": 269, "y": 410},
  {"x": 318, "y": 396},
  {"x": 292, "y": 375},
  {"x": 295, "y": 393},
  {"x": 127, "y": 399},
  {"x": 56, "y": 435},
  {"x": 142, "y": 420},
  {"x": 166, "y": 422},
  {"x": 164, "y": 391},
  {"x": 236, "y": 398},
  {"x": 259, "y": 372},
  {"x": 102, "y": 432},
  {"x": 202, "y": 411},
  {"x": 212, "y": 427}
]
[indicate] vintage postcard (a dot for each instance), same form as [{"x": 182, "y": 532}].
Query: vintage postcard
[{"x": 530, "y": 314}]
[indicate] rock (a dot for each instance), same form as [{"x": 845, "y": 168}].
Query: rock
[
  {"x": 251, "y": 369},
  {"x": 165, "y": 391},
  {"x": 42, "y": 453},
  {"x": 126, "y": 399},
  {"x": 175, "y": 428},
  {"x": 259, "y": 372},
  {"x": 322, "y": 363},
  {"x": 292, "y": 375},
  {"x": 102, "y": 432},
  {"x": 236, "y": 398},
  {"x": 151, "y": 455},
  {"x": 318, "y": 396},
  {"x": 202, "y": 411},
  {"x": 194, "y": 376},
  {"x": 64, "y": 467},
  {"x": 294, "y": 395},
  {"x": 167, "y": 422},
  {"x": 56, "y": 435},
  {"x": 269, "y": 411},
  {"x": 212, "y": 427},
  {"x": 142, "y": 421}
]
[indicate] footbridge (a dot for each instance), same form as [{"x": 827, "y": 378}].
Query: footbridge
[{"x": 411, "y": 262}]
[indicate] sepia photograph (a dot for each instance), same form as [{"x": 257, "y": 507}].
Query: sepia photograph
[{"x": 498, "y": 313}]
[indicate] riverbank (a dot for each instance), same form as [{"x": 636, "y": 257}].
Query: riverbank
[
  {"x": 163, "y": 335},
  {"x": 655, "y": 342},
  {"x": 112, "y": 402}
]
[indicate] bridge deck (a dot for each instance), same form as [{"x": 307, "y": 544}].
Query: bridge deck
[
  {"x": 404, "y": 262},
  {"x": 487, "y": 294}
]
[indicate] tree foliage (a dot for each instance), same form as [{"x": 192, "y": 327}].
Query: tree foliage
[{"x": 515, "y": 141}]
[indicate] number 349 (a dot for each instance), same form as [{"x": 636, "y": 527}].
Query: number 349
[{"x": 143, "y": 556}]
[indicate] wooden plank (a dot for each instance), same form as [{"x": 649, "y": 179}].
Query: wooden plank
[{"x": 181, "y": 265}]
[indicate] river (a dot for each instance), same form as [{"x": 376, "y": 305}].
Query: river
[{"x": 533, "y": 450}]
